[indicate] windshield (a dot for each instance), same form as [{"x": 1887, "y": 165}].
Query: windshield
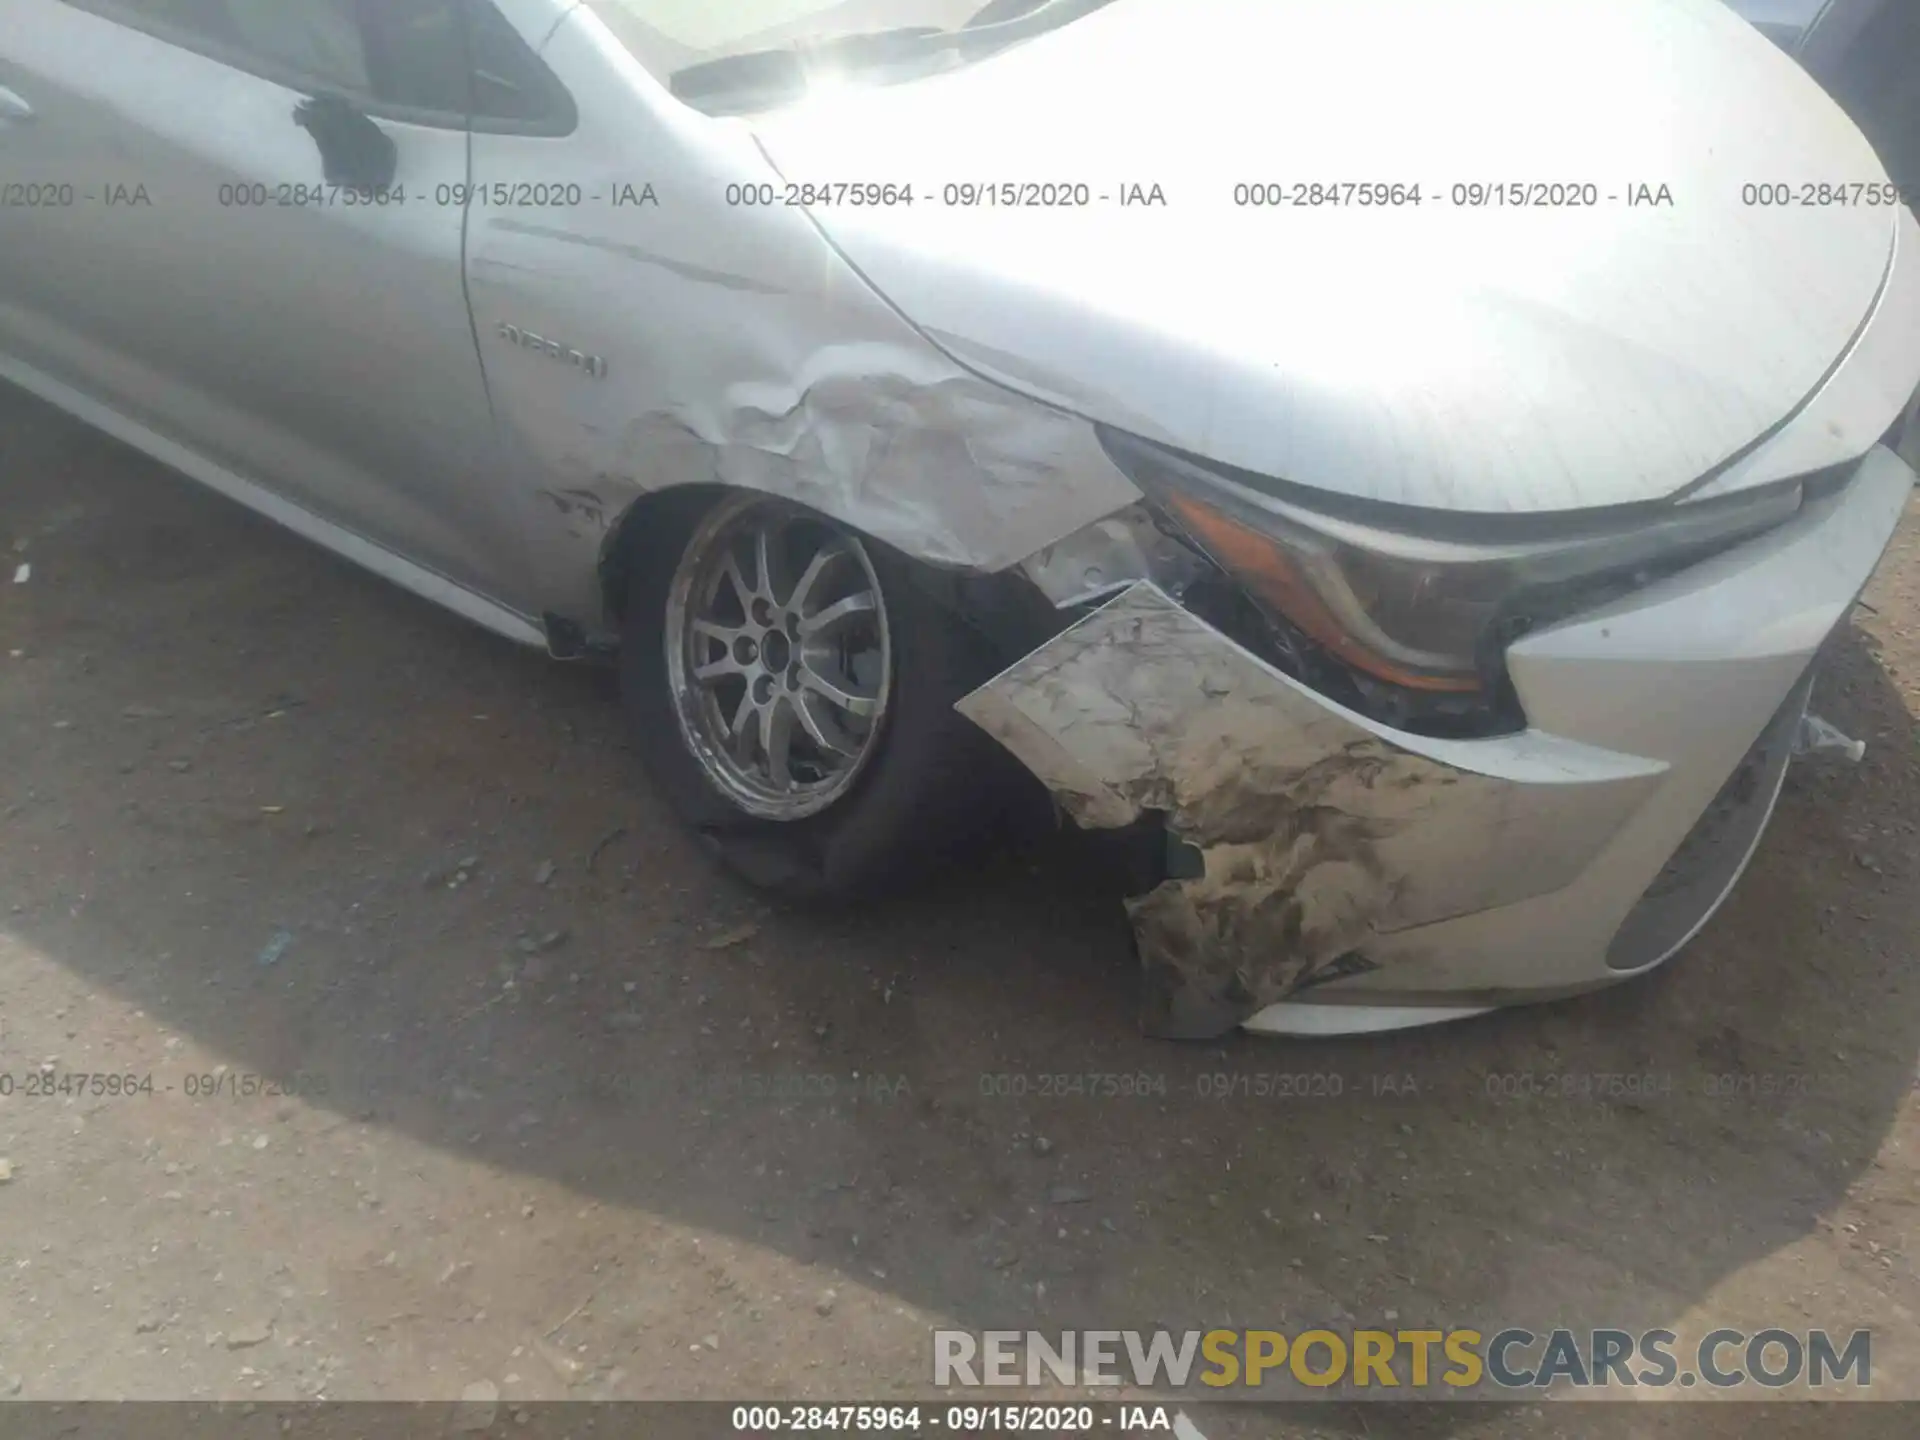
[{"x": 670, "y": 37}]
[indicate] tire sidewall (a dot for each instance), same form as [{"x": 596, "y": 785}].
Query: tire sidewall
[{"x": 929, "y": 762}]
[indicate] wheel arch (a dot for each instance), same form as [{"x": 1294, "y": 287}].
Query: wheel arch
[
  {"x": 678, "y": 505},
  {"x": 1002, "y": 605}
]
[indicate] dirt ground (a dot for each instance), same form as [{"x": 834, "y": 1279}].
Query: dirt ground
[{"x": 575, "y": 1115}]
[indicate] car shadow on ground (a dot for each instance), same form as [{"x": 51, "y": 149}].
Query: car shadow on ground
[{"x": 242, "y": 783}]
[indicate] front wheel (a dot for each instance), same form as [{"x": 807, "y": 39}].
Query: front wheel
[{"x": 792, "y": 689}]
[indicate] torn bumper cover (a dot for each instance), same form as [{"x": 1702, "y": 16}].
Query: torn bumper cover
[{"x": 1322, "y": 857}]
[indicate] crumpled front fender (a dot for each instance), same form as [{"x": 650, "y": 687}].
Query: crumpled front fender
[{"x": 1308, "y": 829}]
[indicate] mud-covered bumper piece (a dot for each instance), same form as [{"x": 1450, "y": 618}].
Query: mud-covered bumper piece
[{"x": 1322, "y": 857}]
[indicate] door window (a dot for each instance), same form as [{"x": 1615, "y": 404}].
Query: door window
[
  {"x": 450, "y": 59},
  {"x": 319, "y": 39}
]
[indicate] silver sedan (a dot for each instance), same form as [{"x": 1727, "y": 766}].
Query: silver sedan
[{"x": 1339, "y": 450}]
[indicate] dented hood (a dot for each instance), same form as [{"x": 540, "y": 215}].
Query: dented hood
[{"x": 1493, "y": 357}]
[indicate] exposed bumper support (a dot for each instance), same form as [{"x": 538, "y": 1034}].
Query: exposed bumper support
[
  {"x": 1364, "y": 865},
  {"x": 1316, "y": 826}
]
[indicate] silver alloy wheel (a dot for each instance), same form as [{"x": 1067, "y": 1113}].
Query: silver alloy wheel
[{"x": 778, "y": 656}]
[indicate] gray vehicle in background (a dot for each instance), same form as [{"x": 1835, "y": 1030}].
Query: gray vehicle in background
[{"x": 1867, "y": 53}]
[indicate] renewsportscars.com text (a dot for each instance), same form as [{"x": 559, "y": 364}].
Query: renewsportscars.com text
[{"x": 1456, "y": 1359}]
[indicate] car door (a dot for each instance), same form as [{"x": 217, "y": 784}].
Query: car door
[{"x": 179, "y": 249}]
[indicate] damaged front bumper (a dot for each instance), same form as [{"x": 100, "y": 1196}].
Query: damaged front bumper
[{"x": 1318, "y": 858}]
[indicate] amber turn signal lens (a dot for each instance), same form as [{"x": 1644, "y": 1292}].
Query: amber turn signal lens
[{"x": 1271, "y": 572}]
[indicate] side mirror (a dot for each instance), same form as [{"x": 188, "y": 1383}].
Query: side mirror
[{"x": 354, "y": 152}]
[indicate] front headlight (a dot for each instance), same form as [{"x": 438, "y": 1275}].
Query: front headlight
[{"x": 1419, "y": 612}]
